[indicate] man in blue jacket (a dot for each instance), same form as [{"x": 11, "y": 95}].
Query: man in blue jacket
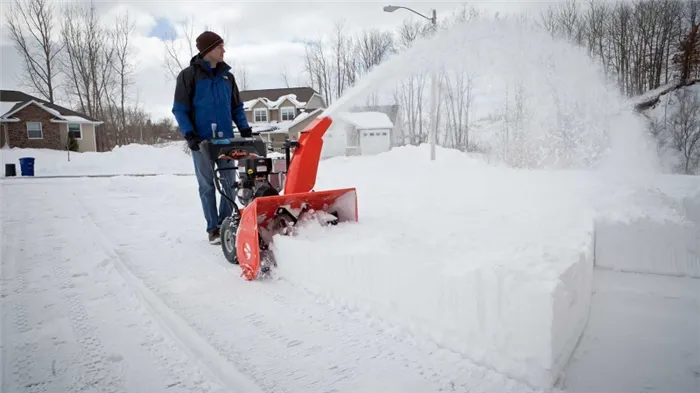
[{"x": 206, "y": 93}]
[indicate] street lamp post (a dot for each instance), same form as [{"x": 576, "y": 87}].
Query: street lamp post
[{"x": 433, "y": 77}]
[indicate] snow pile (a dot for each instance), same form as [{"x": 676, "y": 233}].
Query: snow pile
[
  {"x": 651, "y": 228},
  {"x": 122, "y": 160},
  {"x": 493, "y": 263}
]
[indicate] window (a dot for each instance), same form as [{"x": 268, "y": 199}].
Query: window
[
  {"x": 260, "y": 115},
  {"x": 76, "y": 130},
  {"x": 287, "y": 113},
  {"x": 34, "y": 130}
]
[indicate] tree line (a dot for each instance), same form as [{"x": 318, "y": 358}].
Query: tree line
[
  {"x": 70, "y": 53},
  {"x": 642, "y": 45}
]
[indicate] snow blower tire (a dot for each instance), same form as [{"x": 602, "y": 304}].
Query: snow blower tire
[{"x": 228, "y": 240}]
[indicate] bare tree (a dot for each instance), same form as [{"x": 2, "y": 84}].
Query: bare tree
[
  {"x": 410, "y": 92},
  {"x": 240, "y": 72},
  {"x": 285, "y": 75},
  {"x": 123, "y": 68},
  {"x": 372, "y": 47},
  {"x": 341, "y": 54},
  {"x": 687, "y": 60},
  {"x": 30, "y": 23},
  {"x": 174, "y": 60},
  {"x": 596, "y": 31},
  {"x": 457, "y": 95},
  {"x": 319, "y": 68},
  {"x": 88, "y": 58},
  {"x": 684, "y": 129}
]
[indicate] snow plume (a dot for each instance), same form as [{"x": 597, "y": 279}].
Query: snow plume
[{"x": 531, "y": 100}]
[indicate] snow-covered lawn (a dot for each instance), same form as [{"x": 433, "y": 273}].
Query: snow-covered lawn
[{"x": 133, "y": 159}]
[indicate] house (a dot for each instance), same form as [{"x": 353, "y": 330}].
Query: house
[
  {"x": 392, "y": 111},
  {"x": 278, "y": 114},
  {"x": 276, "y": 136},
  {"x": 30, "y": 122},
  {"x": 274, "y": 106},
  {"x": 358, "y": 133}
]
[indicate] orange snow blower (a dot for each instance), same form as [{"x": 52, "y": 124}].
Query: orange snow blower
[{"x": 247, "y": 235}]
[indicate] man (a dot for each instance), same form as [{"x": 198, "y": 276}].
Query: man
[{"x": 207, "y": 96}]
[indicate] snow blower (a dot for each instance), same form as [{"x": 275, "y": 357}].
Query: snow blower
[{"x": 268, "y": 210}]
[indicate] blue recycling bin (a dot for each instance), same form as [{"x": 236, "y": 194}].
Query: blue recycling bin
[{"x": 26, "y": 164}]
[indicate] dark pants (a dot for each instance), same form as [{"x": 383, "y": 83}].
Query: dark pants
[{"x": 204, "y": 171}]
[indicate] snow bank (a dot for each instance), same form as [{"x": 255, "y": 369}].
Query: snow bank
[
  {"x": 652, "y": 229},
  {"x": 492, "y": 263},
  {"x": 122, "y": 160}
]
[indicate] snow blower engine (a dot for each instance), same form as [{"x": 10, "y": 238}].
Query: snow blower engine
[{"x": 274, "y": 195}]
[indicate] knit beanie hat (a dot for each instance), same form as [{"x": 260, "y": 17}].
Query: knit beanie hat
[{"x": 208, "y": 41}]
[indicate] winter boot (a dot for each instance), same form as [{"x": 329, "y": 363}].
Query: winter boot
[{"x": 214, "y": 236}]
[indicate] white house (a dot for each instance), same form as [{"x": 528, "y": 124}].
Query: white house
[{"x": 357, "y": 133}]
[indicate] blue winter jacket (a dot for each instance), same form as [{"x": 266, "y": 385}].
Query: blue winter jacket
[{"x": 204, "y": 96}]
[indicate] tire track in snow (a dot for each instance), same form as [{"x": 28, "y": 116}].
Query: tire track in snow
[
  {"x": 275, "y": 326},
  {"x": 177, "y": 328},
  {"x": 171, "y": 359},
  {"x": 35, "y": 359},
  {"x": 21, "y": 304},
  {"x": 65, "y": 316}
]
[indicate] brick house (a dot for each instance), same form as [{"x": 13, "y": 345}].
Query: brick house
[{"x": 30, "y": 122}]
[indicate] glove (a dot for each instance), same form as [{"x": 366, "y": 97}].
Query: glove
[
  {"x": 192, "y": 141},
  {"x": 246, "y": 132}
]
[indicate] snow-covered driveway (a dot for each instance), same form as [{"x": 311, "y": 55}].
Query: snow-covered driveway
[{"x": 107, "y": 285}]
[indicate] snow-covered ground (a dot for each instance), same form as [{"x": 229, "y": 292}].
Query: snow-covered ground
[
  {"x": 642, "y": 336},
  {"x": 112, "y": 279},
  {"x": 459, "y": 277},
  {"x": 133, "y": 159}
]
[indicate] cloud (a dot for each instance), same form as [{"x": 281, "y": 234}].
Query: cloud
[
  {"x": 264, "y": 36},
  {"x": 163, "y": 29}
]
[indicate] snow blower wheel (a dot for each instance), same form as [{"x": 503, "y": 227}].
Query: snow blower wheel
[{"x": 228, "y": 239}]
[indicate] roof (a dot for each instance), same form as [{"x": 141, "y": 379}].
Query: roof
[
  {"x": 275, "y": 104},
  {"x": 12, "y": 101},
  {"x": 367, "y": 120},
  {"x": 391, "y": 110},
  {"x": 273, "y": 98},
  {"x": 284, "y": 126},
  {"x": 301, "y": 93}
]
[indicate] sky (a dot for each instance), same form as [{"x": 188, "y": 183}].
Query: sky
[{"x": 264, "y": 36}]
